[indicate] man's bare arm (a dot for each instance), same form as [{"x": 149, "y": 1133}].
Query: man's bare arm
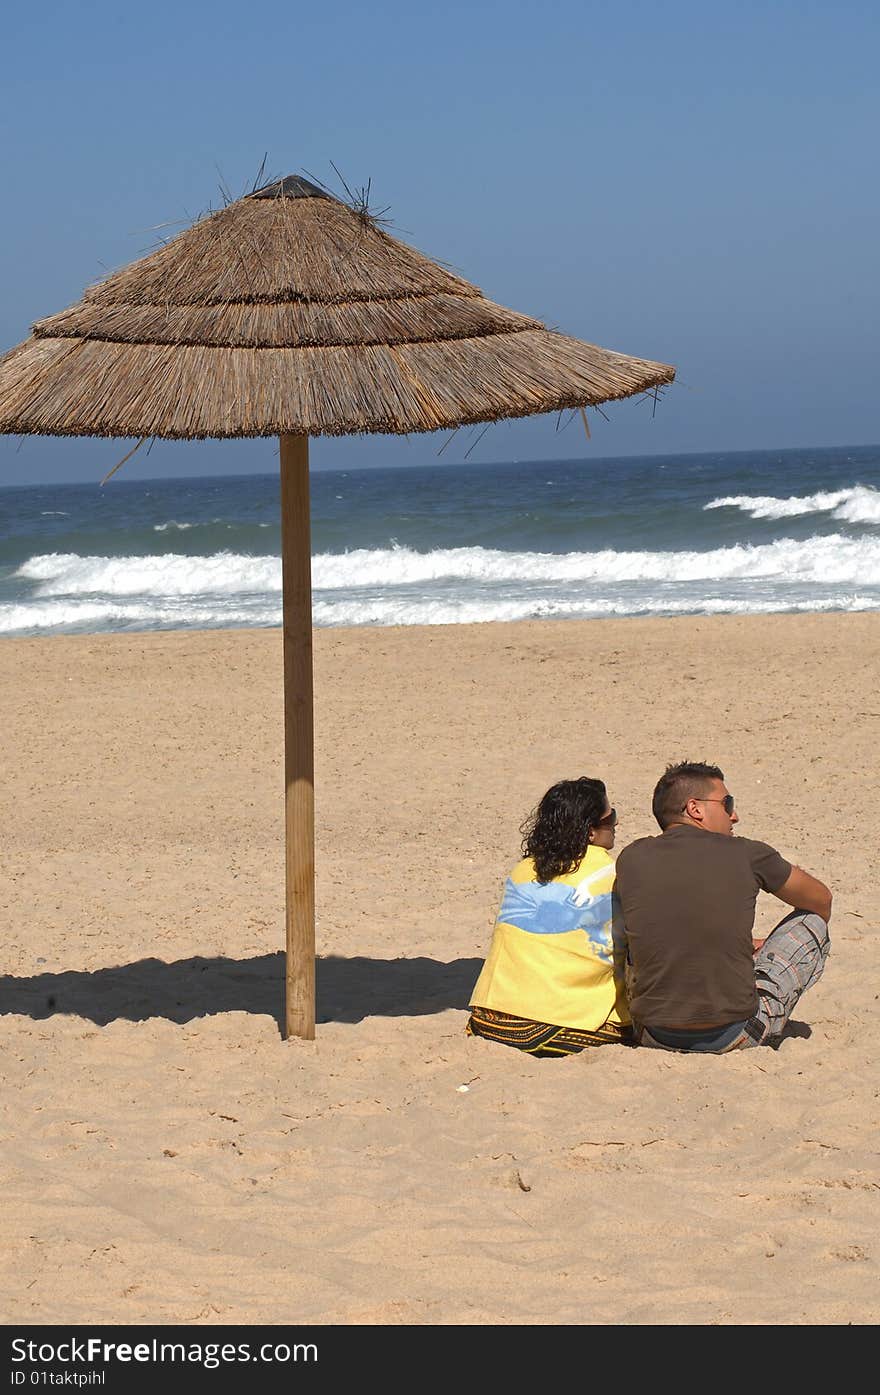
[{"x": 806, "y": 893}]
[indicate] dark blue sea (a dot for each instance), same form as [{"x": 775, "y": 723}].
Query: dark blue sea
[{"x": 725, "y": 533}]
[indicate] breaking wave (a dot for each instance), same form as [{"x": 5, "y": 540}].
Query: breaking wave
[
  {"x": 858, "y": 504},
  {"x": 834, "y": 559}
]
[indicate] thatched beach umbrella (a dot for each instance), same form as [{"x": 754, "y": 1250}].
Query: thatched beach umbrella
[{"x": 290, "y": 314}]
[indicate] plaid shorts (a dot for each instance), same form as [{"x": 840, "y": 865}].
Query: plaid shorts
[{"x": 789, "y": 962}]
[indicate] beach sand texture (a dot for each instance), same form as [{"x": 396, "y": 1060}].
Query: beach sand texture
[{"x": 167, "y": 1158}]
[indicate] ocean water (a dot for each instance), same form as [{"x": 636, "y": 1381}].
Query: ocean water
[{"x": 734, "y": 533}]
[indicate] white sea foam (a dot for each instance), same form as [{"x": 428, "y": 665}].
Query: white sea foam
[
  {"x": 52, "y": 615},
  {"x": 858, "y": 504},
  {"x": 173, "y": 526},
  {"x": 399, "y": 586},
  {"x": 224, "y": 573},
  {"x": 120, "y": 615},
  {"x": 831, "y": 560},
  {"x": 77, "y": 615},
  {"x": 468, "y": 612}
]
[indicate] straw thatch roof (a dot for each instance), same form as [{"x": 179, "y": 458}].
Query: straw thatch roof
[{"x": 289, "y": 312}]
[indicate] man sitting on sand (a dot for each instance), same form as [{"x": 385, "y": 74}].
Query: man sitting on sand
[{"x": 686, "y": 901}]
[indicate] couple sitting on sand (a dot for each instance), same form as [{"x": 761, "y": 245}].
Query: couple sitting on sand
[{"x": 657, "y": 951}]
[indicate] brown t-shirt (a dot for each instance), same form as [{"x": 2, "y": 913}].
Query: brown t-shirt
[{"x": 687, "y": 900}]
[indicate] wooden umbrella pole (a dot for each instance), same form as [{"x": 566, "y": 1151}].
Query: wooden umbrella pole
[{"x": 299, "y": 760}]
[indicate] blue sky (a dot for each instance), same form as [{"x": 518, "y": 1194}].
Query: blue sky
[{"x": 694, "y": 183}]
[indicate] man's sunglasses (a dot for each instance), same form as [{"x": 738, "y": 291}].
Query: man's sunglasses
[{"x": 728, "y": 802}]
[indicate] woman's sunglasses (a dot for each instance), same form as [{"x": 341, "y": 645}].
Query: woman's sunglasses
[{"x": 608, "y": 821}]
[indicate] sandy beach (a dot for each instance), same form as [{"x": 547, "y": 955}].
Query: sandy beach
[{"x": 168, "y": 1158}]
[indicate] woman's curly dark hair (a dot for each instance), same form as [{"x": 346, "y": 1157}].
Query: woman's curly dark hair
[{"x": 556, "y": 835}]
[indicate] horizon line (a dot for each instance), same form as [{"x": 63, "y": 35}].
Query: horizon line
[{"x": 448, "y": 465}]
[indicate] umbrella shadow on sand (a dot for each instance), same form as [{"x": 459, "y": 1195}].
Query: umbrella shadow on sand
[{"x": 348, "y": 990}]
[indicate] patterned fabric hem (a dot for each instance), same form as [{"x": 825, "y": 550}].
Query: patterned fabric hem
[{"x": 541, "y": 1038}]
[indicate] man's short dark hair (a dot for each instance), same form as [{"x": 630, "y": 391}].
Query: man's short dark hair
[{"x": 679, "y": 783}]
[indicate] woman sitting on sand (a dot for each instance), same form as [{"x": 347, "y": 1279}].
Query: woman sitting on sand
[{"x": 549, "y": 985}]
